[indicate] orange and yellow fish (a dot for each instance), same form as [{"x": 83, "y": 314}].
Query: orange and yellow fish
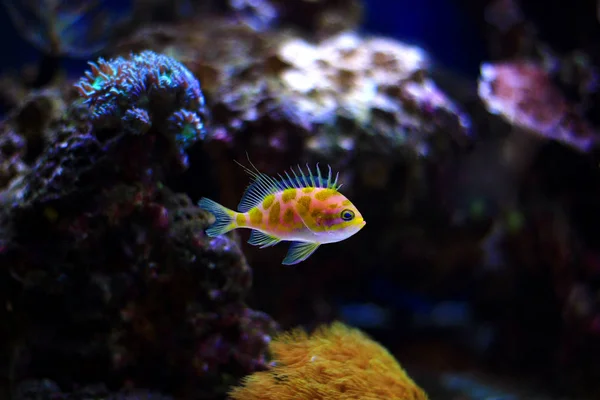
[{"x": 306, "y": 210}]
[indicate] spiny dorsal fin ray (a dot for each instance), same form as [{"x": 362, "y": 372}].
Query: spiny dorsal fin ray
[
  {"x": 263, "y": 185},
  {"x": 300, "y": 180}
]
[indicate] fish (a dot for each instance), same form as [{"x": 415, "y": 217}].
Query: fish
[{"x": 307, "y": 210}]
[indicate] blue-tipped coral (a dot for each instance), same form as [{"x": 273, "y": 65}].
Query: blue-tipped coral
[
  {"x": 146, "y": 91},
  {"x": 187, "y": 124}
]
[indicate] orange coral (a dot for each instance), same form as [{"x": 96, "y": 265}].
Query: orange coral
[{"x": 335, "y": 362}]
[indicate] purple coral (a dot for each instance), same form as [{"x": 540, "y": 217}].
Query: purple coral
[
  {"x": 146, "y": 91},
  {"x": 523, "y": 93},
  {"x": 187, "y": 124}
]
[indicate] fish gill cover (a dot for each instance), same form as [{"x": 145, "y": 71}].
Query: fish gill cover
[{"x": 478, "y": 269}]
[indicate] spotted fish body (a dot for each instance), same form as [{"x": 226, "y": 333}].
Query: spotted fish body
[
  {"x": 306, "y": 210},
  {"x": 298, "y": 214}
]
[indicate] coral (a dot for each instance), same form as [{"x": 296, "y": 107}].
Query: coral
[
  {"x": 335, "y": 362},
  {"x": 62, "y": 168},
  {"x": 378, "y": 83},
  {"x": 49, "y": 158},
  {"x": 146, "y": 91},
  {"x": 188, "y": 126},
  {"x": 83, "y": 137},
  {"x": 213, "y": 54},
  {"x": 133, "y": 293},
  {"x": 297, "y": 95},
  {"x": 523, "y": 94},
  {"x": 12, "y": 149},
  {"x": 25, "y": 132},
  {"x": 378, "y": 96},
  {"x": 160, "y": 295}
]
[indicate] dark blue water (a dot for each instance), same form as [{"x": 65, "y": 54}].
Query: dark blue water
[{"x": 441, "y": 27}]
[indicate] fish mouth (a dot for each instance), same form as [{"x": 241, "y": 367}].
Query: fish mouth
[{"x": 362, "y": 224}]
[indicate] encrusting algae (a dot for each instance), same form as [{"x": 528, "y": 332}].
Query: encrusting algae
[{"x": 335, "y": 362}]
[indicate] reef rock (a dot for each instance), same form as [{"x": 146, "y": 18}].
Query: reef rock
[{"x": 107, "y": 269}]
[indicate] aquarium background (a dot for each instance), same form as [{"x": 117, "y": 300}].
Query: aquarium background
[{"x": 464, "y": 131}]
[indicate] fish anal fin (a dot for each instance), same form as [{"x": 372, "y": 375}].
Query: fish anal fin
[
  {"x": 258, "y": 238},
  {"x": 299, "y": 251}
]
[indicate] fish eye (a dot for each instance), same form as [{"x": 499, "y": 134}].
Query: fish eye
[{"x": 347, "y": 215}]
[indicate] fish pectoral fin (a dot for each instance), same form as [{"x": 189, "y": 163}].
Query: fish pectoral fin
[
  {"x": 258, "y": 238},
  {"x": 299, "y": 251}
]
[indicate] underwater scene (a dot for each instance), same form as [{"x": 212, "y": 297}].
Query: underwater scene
[{"x": 300, "y": 200}]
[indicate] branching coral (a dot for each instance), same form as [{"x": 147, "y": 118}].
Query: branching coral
[
  {"x": 335, "y": 362},
  {"x": 146, "y": 91}
]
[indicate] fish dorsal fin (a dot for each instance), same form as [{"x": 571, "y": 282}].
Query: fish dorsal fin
[
  {"x": 299, "y": 180},
  {"x": 263, "y": 185}
]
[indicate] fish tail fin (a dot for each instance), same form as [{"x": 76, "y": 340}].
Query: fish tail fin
[{"x": 224, "y": 217}]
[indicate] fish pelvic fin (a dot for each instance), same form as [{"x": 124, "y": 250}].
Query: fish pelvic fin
[
  {"x": 225, "y": 218},
  {"x": 300, "y": 251}
]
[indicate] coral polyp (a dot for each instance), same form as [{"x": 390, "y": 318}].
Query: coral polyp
[
  {"x": 187, "y": 124},
  {"x": 145, "y": 90}
]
